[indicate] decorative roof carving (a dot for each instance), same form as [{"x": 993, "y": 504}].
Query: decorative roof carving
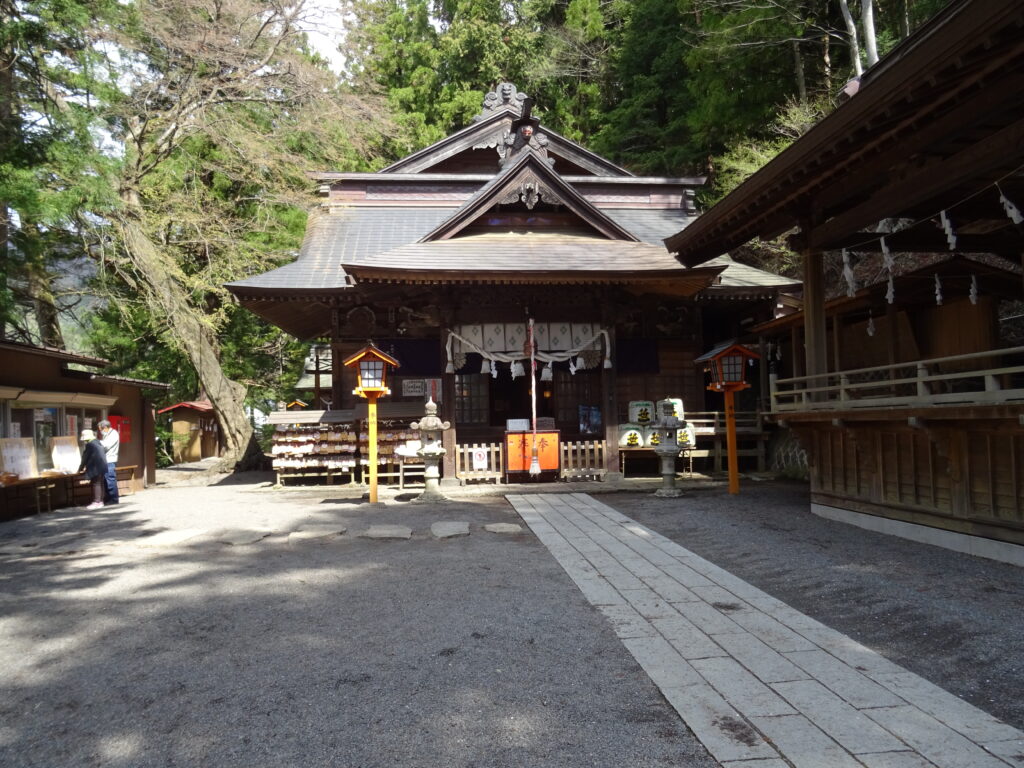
[
  {"x": 505, "y": 95},
  {"x": 530, "y": 191}
]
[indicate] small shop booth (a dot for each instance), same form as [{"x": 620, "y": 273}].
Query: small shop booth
[
  {"x": 195, "y": 434},
  {"x": 509, "y": 270},
  {"x": 47, "y": 397}
]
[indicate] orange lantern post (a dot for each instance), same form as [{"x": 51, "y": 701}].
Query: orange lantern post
[
  {"x": 372, "y": 366},
  {"x": 726, "y": 365}
]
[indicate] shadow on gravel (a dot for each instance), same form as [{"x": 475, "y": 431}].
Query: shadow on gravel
[{"x": 334, "y": 652}]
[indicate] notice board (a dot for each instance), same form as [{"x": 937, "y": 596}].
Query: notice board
[
  {"x": 18, "y": 456},
  {"x": 519, "y": 451},
  {"x": 65, "y": 453}
]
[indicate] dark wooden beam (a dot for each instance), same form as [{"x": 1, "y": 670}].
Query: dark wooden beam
[{"x": 975, "y": 166}]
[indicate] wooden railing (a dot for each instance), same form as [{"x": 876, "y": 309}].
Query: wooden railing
[
  {"x": 982, "y": 378},
  {"x": 713, "y": 422}
]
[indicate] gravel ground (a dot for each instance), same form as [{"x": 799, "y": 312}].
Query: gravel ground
[
  {"x": 954, "y": 619},
  {"x": 476, "y": 651}
]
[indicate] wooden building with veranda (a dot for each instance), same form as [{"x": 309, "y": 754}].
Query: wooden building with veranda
[
  {"x": 445, "y": 257},
  {"x": 907, "y": 395}
]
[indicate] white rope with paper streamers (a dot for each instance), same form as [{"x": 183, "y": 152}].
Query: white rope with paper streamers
[
  {"x": 947, "y": 225},
  {"x": 890, "y": 291},
  {"x": 938, "y": 290},
  {"x": 1012, "y": 211},
  {"x": 544, "y": 357},
  {"x": 974, "y": 289},
  {"x": 851, "y": 280}
]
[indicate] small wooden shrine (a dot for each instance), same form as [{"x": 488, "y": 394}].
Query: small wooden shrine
[{"x": 445, "y": 257}]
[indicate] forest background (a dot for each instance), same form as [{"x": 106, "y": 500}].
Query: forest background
[{"x": 153, "y": 150}]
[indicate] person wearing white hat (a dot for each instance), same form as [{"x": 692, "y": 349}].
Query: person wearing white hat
[{"x": 94, "y": 465}]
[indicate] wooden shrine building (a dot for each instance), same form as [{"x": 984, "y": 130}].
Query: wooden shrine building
[
  {"x": 916, "y": 428},
  {"x": 443, "y": 258}
]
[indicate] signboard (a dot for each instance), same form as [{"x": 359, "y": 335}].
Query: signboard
[
  {"x": 18, "y": 456},
  {"x": 72, "y": 424},
  {"x": 480, "y": 459},
  {"x": 519, "y": 450},
  {"x": 414, "y": 387},
  {"x": 123, "y": 425},
  {"x": 65, "y": 454}
]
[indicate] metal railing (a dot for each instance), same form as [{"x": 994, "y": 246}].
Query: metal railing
[{"x": 955, "y": 380}]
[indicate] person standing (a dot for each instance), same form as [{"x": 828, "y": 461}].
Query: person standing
[
  {"x": 111, "y": 444},
  {"x": 94, "y": 465}
]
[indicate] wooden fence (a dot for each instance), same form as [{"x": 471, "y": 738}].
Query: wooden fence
[
  {"x": 583, "y": 460},
  {"x": 464, "y": 471}
]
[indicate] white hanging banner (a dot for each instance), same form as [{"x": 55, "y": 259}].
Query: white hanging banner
[{"x": 494, "y": 337}]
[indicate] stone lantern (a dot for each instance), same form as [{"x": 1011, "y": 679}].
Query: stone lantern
[
  {"x": 430, "y": 428},
  {"x": 667, "y": 450}
]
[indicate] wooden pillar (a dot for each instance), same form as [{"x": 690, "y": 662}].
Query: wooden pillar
[
  {"x": 337, "y": 359},
  {"x": 836, "y": 351},
  {"x": 446, "y": 408},
  {"x": 610, "y": 408},
  {"x": 814, "y": 320}
]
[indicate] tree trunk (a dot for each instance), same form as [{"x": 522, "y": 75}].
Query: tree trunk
[
  {"x": 826, "y": 63},
  {"x": 905, "y": 18},
  {"x": 867, "y": 21},
  {"x": 7, "y": 138},
  {"x": 851, "y": 30},
  {"x": 40, "y": 288},
  {"x": 798, "y": 67},
  {"x": 168, "y": 299}
]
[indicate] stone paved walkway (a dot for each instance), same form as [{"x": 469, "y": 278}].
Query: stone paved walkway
[{"x": 760, "y": 684}]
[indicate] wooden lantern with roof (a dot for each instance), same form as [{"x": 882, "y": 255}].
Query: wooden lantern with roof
[
  {"x": 727, "y": 365},
  {"x": 372, "y": 367}
]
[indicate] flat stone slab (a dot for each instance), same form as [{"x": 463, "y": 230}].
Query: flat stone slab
[
  {"x": 237, "y": 538},
  {"x": 387, "y": 532},
  {"x": 169, "y": 538},
  {"x": 758, "y": 683},
  {"x": 316, "y": 532},
  {"x": 503, "y": 528},
  {"x": 449, "y": 529}
]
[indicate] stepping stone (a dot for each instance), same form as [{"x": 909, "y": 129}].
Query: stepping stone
[
  {"x": 448, "y": 529},
  {"x": 169, "y": 538},
  {"x": 237, "y": 538},
  {"x": 387, "y": 532},
  {"x": 316, "y": 532},
  {"x": 503, "y": 528}
]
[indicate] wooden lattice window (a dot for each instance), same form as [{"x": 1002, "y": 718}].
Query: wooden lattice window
[
  {"x": 573, "y": 391},
  {"x": 472, "y": 399}
]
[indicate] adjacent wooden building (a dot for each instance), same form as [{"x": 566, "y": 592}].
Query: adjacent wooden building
[
  {"x": 443, "y": 258},
  {"x": 908, "y": 395}
]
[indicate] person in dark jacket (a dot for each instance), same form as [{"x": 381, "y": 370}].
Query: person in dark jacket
[{"x": 94, "y": 465}]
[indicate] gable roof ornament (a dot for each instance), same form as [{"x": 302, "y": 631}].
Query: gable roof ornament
[
  {"x": 523, "y": 136},
  {"x": 504, "y": 98}
]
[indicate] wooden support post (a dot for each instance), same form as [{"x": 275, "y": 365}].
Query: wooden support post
[
  {"x": 446, "y": 410},
  {"x": 814, "y": 321},
  {"x": 371, "y": 433},
  {"x": 730, "y": 433},
  {"x": 610, "y": 413},
  {"x": 337, "y": 361}
]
